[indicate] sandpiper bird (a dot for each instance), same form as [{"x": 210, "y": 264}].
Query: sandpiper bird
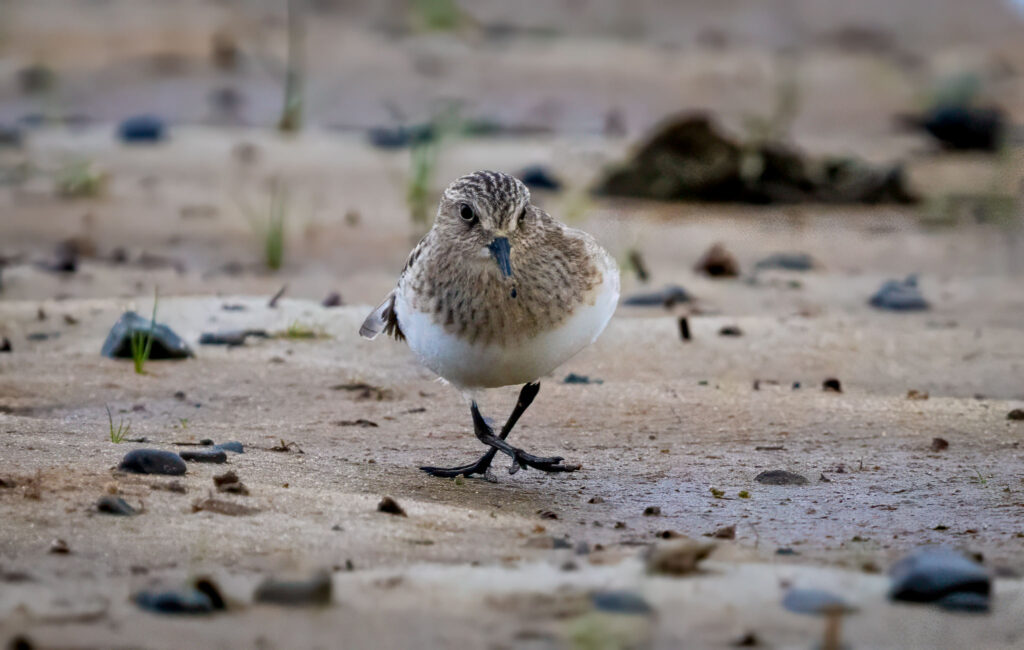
[{"x": 498, "y": 293}]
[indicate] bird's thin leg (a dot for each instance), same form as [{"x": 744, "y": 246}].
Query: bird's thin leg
[{"x": 486, "y": 435}]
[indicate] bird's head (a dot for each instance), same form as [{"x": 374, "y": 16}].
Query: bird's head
[{"x": 486, "y": 215}]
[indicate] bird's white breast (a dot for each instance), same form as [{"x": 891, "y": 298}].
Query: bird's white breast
[{"x": 475, "y": 365}]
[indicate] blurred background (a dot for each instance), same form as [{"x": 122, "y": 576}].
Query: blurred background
[{"x": 220, "y": 145}]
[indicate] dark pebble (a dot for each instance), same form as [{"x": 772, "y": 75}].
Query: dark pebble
[
  {"x": 205, "y": 456},
  {"x": 573, "y": 378},
  {"x": 538, "y": 177},
  {"x": 5, "y": 344},
  {"x": 717, "y": 262},
  {"x": 231, "y": 338},
  {"x": 900, "y": 295},
  {"x": 931, "y": 575},
  {"x": 667, "y": 297},
  {"x": 832, "y": 384},
  {"x": 111, "y": 505},
  {"x": 232, "y": 446},
  {"x": 333, "y": 299},
  {"x": 43, "y": 336},
  {"x": 814, "y": 601},
  {"x": 652, "y": 511},
  {"x": 166, "y": 344},
  {"x": 1015, "y": 414},
  {"x": 620, "y": 602},
  {"x": 182, "y": 601},
  {"x": 20, "y": 642},
  {"x": 730, "y": 330},
  {"x": 142, "y": 128},
  {"x": 391, "y": 507},
  {"x": 315, "y": 591},
  {"x": 940, "y": 444},
  {"x": 786, "y": 262},
  {"x": 780, "y": 477},
  {"x": 206, "y": 442},
  {"x": 684, "y": 328},
  {"x": 153, "y": 461}
]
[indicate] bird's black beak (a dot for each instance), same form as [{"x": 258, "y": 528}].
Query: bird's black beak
[{"x": 500, "y": 251}]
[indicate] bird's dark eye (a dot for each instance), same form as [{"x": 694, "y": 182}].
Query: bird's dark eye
[{"x": 467, "y": 213}]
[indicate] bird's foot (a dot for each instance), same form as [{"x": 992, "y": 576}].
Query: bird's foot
[
  {"x": 481, "y": 466},
  {"x": 522, "y": 459}
]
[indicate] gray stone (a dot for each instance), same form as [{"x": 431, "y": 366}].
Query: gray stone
[
  {"x": 314, "y": 591},
  {"x": 670, "y": 295},
  {"x": 183, "y": 601},
  {"x": 897, "y": 295},
  {"x": 111, "y": 505},
  {"x": 153, "y": 461},
  {"x": 814, "y": 601},
  {"x": 941, "y": 575},
  {"x": 232, "y": 446},
  {"x": 166, "y": 344},
  {"x": 205, "y": 456},
  {"x": 786, "y": 262},
  {"x": 620, "y": 602},
  {"x": 780, "y": 477}
]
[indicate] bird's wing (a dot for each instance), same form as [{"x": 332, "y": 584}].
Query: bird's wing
[{"x": 383, "y": 318}]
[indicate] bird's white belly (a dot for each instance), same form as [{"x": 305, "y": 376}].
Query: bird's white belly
[{"x": 470, "y": 365}]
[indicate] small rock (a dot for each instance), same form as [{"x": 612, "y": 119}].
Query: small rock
[
  {"x": 747, "y": 640},
  {"x": 333, "y": 299},
  {"x": 677, "y": 558},
  {"x": 573, "y": 378},
  {"x": 718, "y": 262},
  {"x": 142, "y": 128},
  {"x": 166, "y": 344},
  {"x": 730, "y": 330},
  {"x": 940, "y": 444},
  {"x": 20, "y": 642},
  {"x": 232, "y": 445},
  {"x": 832, "y": 385},
  {"x": 59, "y": 547},
  {"x": 538, "y": 177},
  {"x": 780, "y": 477},
  {"x": 231, "y": 338},
  {"x": 5, "y": 344},
  {"x": 314, "y": 591},
  {"x": 815, "y": 602},
  {"x": 916, "y": 394},
  {"x": 205, "y": 456},
  {"x": 175, "y": 601},
  {"x": 43, "y": 336},
  {"x": 896, "y": 295},
  {"x": 684, "y": 328},
  {"x": 1015, "y": 414},
  {"x": 361, "y": 422},
  {"x": 596, "y": 500},
  {"x": 930, "y": 575},
  {"x": 786, "y": 262},
  {"x": 112, "y": 505},
  {"x": 153, "y": 461},
  {"x": 222, "y": 507},
  {"x": 667, "y": 297},
  {"x": 174, "y": 486},
  {"x": 652, "y": 511},
  {"x": 391, "y": 507},
  {"x": 620, "y": 602},
  {"x": 725, "y": 532},
  {"x": 230, "y": 483}
]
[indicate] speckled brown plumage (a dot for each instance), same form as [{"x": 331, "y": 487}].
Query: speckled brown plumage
[{"x": 554, "y": 268}]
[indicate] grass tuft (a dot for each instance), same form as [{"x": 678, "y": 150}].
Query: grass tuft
[
  {"x": 142, "y": 342},
  {"x": 270, "y": 226},
  {"x": 117, "y": 434},
  {"x": 81, "y": 179},
  {"x": 297, "y": 331}
]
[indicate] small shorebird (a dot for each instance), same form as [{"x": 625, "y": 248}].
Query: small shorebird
[{"x": 498, "y": 293}]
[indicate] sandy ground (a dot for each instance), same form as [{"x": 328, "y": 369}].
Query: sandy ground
[{"x": 671, "y": 423}]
